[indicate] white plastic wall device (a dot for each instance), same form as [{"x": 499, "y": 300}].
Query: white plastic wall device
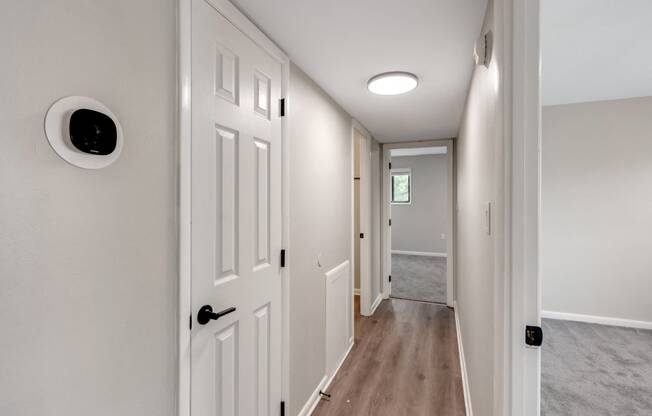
[
  {"x": 483, "y": 49},
  {"x": 57, "y": 122}
]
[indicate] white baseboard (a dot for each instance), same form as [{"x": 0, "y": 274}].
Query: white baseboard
[
  {"x": 325, "y": 382},
  {"x": 601, "y": 320},
  {"x": 356, "y": 292},
  {"x": 420, "y": 253},
  {"x": 465, "y": 376},
  {"x": 313, "y": 400},
  {"x": 339, "y": 365},
  {"x": 376, "y": 303}
]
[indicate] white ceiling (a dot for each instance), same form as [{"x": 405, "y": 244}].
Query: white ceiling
[
  {"x": 418, "y": 151},
  {"x": 595, "y": 50},
  {"x": 342, "y": 43}
]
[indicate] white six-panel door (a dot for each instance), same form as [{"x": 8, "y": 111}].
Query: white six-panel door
[{"x": 236, "y": 220}]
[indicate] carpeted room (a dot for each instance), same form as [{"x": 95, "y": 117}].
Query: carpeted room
[
  {"x": 596, "y": 273},
  {"x": 420, "y": 221}
]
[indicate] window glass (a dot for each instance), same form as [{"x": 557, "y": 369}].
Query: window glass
[{"x": 401, "y": 188}]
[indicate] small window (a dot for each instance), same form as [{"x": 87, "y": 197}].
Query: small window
[{"x": 401, "y": 186}]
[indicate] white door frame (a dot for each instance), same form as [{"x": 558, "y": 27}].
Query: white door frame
[
  {"x": 386, "y": 258},
  {"x": 184, "y": 59},
  {"x": 366, "y": 225},
  {"x": 524, "y": 117}
]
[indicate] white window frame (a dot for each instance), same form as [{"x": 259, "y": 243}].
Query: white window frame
[{"x": 401, "y": 171}]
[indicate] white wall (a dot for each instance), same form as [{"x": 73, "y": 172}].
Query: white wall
[
  {"x": 88, "y": 259},
  {"x": 479, "y": 256},
  {"x": 320, "y": 206},
  {"x": 597, "y": 208},
  {"x": 418, "y": 226}
]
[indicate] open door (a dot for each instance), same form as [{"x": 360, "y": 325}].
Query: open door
[{"x": 362, "y": 140}]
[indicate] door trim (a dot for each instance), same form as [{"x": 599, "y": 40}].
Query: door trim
[
  {"x": 366, "y": 224},
  {"x": 523, "y": 127},
  {"x": 386, "y": 258},
  {"x": 184, "y": 126}
]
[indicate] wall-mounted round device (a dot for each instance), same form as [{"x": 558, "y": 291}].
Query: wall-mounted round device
[{"x": 84, "y": 132}]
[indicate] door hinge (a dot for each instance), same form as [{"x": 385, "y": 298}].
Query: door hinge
[
  {"x": 533, "y": 336},
  {"x": 390, "y": 222},
  {"x": 190, "y": 322},
  {"x": 361, "y": 235},
  {"x": 282, "y": 107},
  {"x": 390, "y": 165},
  {"x": 282, "y": 257},
  {"x": 282, "y": 408},
  {"x": 390, "y": 278}
]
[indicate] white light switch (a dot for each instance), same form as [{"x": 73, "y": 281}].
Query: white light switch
[{"x": 443, "y": 236}]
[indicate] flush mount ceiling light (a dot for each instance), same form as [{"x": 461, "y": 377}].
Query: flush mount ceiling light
[{"x": 392, "y": 83}]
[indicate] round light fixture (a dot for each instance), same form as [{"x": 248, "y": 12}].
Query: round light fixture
[{"x": 392, "y": 83}]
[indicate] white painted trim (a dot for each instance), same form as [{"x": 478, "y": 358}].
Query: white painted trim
[
  {"x": 285, "y": 232},
  {"x": 522, "y": 125},
  {"x": 352, "y": 225},
  {"x": 184, "y": 62},
  {"x": 335, "y": 270},
  {"x": 337, "y": 369},
  {"x": 376, "y": 303},
  {"x": 365, "y": 216},
  {"x": 323, "y": 385},
  {"x": 465, "y": 375},
  {"x": 387, "y": 209},
  {"x": 593, "y": 319},
  {"x": 184, "y": 100},
  {"x": 386, "y": 230},
  {"x": 356, "y": 292},
  {"x": 362, "y": 129},
  {"x": 313, "y": 400},
  {"x": 420, "y": 253},
  {"x": 246, "y": 26},
  {"x": 452, "y": 235}
]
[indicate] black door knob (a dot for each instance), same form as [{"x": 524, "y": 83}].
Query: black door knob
[{"x": 206, "y": 314}]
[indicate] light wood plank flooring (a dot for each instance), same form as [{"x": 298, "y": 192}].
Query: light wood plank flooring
[{"x": 404, "y": 362}]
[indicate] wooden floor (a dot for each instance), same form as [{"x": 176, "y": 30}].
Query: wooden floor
[{"x": 404, "y": 362}]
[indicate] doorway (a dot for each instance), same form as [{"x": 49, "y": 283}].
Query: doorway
[
  {"x": 595, "y": 268},
  {"x": 366, "y": 220},
  {"x": 418, "y": 201}
]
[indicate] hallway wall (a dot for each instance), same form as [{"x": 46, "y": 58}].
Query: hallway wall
[
  {"x": 480, "y": 256},
  {"x": 88, "y": 258},
  {"x": 418, "y": 226},
  {"x": 320, "y": 206},
  {"x": 596, "y": 205}
]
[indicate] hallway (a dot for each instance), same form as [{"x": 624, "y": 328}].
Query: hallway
[
  {"x": 198, "y": 160},
  {"x": 404, "y": 362}
]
